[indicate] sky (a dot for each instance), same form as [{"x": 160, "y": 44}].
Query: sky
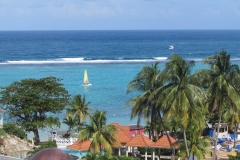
[{"x": 119, "y": 14}]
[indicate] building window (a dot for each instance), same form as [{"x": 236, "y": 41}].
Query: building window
[{"x": 221, "y": 130}]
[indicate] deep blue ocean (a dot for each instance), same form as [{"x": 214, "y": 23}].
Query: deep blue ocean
[{"x": 112, "y": 59}]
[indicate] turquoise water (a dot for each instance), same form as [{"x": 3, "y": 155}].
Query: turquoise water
[
  {"x": 73, "y": 152},
  {"x": 108, "y": 90},
  {"x": 112, "y": 58}
]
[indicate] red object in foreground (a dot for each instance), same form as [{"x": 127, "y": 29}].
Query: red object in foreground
[{"x": 51, "y": 154}]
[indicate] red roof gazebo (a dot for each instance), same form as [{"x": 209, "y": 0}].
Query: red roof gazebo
[{"x": 124, "y": 139}]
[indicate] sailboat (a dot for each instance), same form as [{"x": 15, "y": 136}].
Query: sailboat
[{"x": 85, "y": 79}]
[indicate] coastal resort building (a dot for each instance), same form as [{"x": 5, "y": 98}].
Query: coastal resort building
[
  {"x": 136, "y": 129},
  {"x": 128, "y": 143},
  {"x": 58, "y": 136},
  {"x": 223, "y": 130}
]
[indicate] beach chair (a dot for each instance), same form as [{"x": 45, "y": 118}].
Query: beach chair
[
  {"x": 230, "y": 148},
  {"x": 220, "y": 140},
  {"x": 237, "y": 149},
  {"x": 234, "y": 136},
  {"x": 219, "y": 147},
  {"x": 225, "y": 137}
]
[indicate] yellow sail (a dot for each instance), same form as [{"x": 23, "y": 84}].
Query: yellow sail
[{"x": 85, "y": 79}]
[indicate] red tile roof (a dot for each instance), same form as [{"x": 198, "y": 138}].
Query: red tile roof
[
  {"x": 164, "y": 143},
  {"x": 140, "y": 141},
  {"x": 124, "y": 139},
  {"x": 125, "y": 129},
  {"x": 122, "y": 136},
  {"x": 82, "y": 146}
]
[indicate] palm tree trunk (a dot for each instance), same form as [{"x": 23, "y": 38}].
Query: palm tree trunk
[
  {"x": 215, "y": 148},
  {"x": 235, "y": 133},
  {"x": 185, "y": 141},
  {"x": 169, "y": 141},
  {"x": 79, "y": 124},
  {"x": 151, "y": 126}
]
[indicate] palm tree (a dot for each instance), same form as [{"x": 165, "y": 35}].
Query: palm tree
[
  {"x": 71, "y": 122},
  {"x": 232, "y": 116},
  {"x": 90, "y": 156},
  {"x": 143, "y": 105},
  {"x": 221, "y": 91},
  {"x": 179, "y": 96},
  {"x": 174, "y": 126},
  {"x": 102, "y": 135},
  {"x": 79, "y": 108},
  {"x": 198, "y": 146},
  {"x": 147, "y": 129}
]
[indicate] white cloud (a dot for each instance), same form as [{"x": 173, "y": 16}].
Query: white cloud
[
  {"x": 120, "y": 13},
  {"x": 72, "y": 9}
]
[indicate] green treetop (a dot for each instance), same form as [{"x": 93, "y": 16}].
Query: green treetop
[{"x": 31, "y": 101}]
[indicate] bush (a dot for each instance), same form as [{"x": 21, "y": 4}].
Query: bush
[
  {"x": 2, "y": 132},
  {"x": 12, "y": 129},
  {"x": 165, "y": 152},
  {"x": 48, "y": 144},
  {"x": 67, "y": 135},
  {"x": 237, "y": 157},
  {"x": 95, "y": 156}
]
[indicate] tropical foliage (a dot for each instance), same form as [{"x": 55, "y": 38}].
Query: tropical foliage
[
  {"x": 221, "y": 92},
  {"x": 180, "y": 96},
  {"x": 48, "y": 144},
  {"x": 103, "y": 136},
  {"x": 29, "y": 103},
  {"x": 184, "y": 102},
  {"x": 143, "y": 106},
  {"x": 2, "y": 132},
  {"x": 94, "y": 156},
  {"x": 70, "y": 122},
  {"x": 79, "y": 109},
  {"x": 13, "y": 129},
  {"x": 237, "y": 157},
  {"x": 173, "y": 99}
]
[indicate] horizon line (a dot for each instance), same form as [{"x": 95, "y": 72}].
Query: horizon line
[{"x": 123, "y": 30}]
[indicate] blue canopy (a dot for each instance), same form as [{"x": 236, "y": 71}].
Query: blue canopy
[{"x": 238, "y": 147}]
